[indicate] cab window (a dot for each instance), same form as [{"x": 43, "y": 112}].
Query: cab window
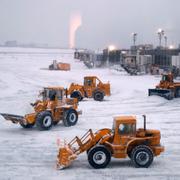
[
  {"x": 44, "y": 94},
  {"x": 87, "y": 82},
  {"x": 60, "y": 94},
  {"x": 127, "y": 128},
  {"x": 165, "y": 78},
  {"x": 52, "y": 95}
]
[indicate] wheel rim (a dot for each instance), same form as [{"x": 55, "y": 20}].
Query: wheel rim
[
  {"x": 98, "y": 96},
  {"x": 99, "y": 157},
  {"x": 47, "y": 121},
  {"x": 79, "y": 97},
  {"x": 142, "y": 158},
  {"x": 72, "y": 117}
]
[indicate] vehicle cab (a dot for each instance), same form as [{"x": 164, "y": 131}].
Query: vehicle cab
[{"x": 124, "y": 127}]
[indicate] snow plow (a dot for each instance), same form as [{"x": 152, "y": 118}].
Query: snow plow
[
  {"x": 123, "y": 140},
  {"x": 167, "y": 88},
  {"x": 49, "y": 111},
  {"x": 93, "y": 87}
]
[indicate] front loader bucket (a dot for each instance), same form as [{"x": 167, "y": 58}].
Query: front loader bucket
[
  {"x": 69, "y": 152},
  {"x": 166, "y": 93},
  {"x": 12, "y": 117},
  {"x": 65, "y": 157}
]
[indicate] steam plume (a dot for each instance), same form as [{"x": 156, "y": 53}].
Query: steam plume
[{"x": 75, "y": 23}]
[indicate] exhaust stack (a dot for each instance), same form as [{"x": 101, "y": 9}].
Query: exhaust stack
[
  {"x": 66, "y": 91},
  {"x": 144, "y": 116}
]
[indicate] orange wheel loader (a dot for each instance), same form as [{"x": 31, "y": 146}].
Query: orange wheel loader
[
  {"x": 123, "y": 140},
  {"x": 167, "y": 88},
  {"x": 49, "y": 111},
  {"x": 93, "y": 87}
]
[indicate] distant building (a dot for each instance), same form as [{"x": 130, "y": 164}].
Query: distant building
[
  {"x": 145, "y": 58},
  {"x": 113, "y": 57},
  {"x": 141, "y": 47},
  {"x": 90, "y": 58},
  {"x": 176, "y": 61},
  {"x": 137, "y": 59},
  {"x": 162, "y": 57},
  {"x": 10, "y": 43}
]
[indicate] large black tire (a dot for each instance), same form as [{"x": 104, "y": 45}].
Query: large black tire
[
  {"x": 99, "y": 157},
  {"x": 177, "y": 92},
  {"x": 129, "y": 155},
  {"x": 44, "y": 120},
  {"x": 27, "y": 126},
  {"x": 70, "y": 117},
  {"x": 142, "y": 156},
  {"x": 77, "y": 94},
  {"x": 98, "y": 96},
  {"x": 51, "y": 67}
]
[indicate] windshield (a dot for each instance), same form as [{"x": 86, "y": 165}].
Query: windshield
[
  {"x": 48, "y": 94},
  {"x": 44, "y": 95},
  {"x": 87, "y": 82},
  {"x": 165, "y": 78},
  {"x": 127, "y": 128},
  {"x": 51, "y": 94}
]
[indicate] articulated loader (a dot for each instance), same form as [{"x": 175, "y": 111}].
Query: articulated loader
[
  {"x": 123, "y": 140},
  {"x": 167, "y": 88},
  {"x": 93, "y": 88},
  {"x": 53, "y": 108}
]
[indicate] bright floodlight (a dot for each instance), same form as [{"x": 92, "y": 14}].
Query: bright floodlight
[
  {"x": 171, "y": 47},
  {"x": 111, "y": 47},
  {"x": 123, "y": 52},
  {"x": 134, "y": 34},
  {"x": 159, "y": 30}
]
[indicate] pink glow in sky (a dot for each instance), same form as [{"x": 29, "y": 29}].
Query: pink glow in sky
[{"x": 75, "y": 23}]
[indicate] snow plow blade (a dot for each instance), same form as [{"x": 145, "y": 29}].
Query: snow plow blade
[
  {"x": 65, "y": 157},
  {"x": 166, "y": 93},
  {"x": 14, "y": 118}
]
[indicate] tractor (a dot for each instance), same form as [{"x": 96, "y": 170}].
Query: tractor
[
  {"x": 167, "y": 88},
  {"x": 123, "y": 140},
  {"x": 53, "y": 108},
  {"x": 93, "y": 88}
]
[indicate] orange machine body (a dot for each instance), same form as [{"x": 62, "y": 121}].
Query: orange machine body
[
  {"x": 119, "y": 141},
  {"x": 52, "y": 108},
  {"x": 167, "y": 88},
  {"x": 93, "y": 87}
]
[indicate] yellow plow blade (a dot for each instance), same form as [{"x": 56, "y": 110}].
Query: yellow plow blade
[{"x": 65, "y": 157}]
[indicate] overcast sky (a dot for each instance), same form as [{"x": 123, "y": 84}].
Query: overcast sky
[{"x": 103, "y": 21}]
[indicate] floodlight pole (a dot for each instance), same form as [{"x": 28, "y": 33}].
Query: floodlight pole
[
  {"x": 165, "y": 38},
  {"x": 134, "y": 38},
  {"x": 160, "y": 35}
]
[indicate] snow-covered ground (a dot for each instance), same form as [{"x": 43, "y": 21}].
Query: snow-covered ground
[{"x": 31, "y": 154}]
